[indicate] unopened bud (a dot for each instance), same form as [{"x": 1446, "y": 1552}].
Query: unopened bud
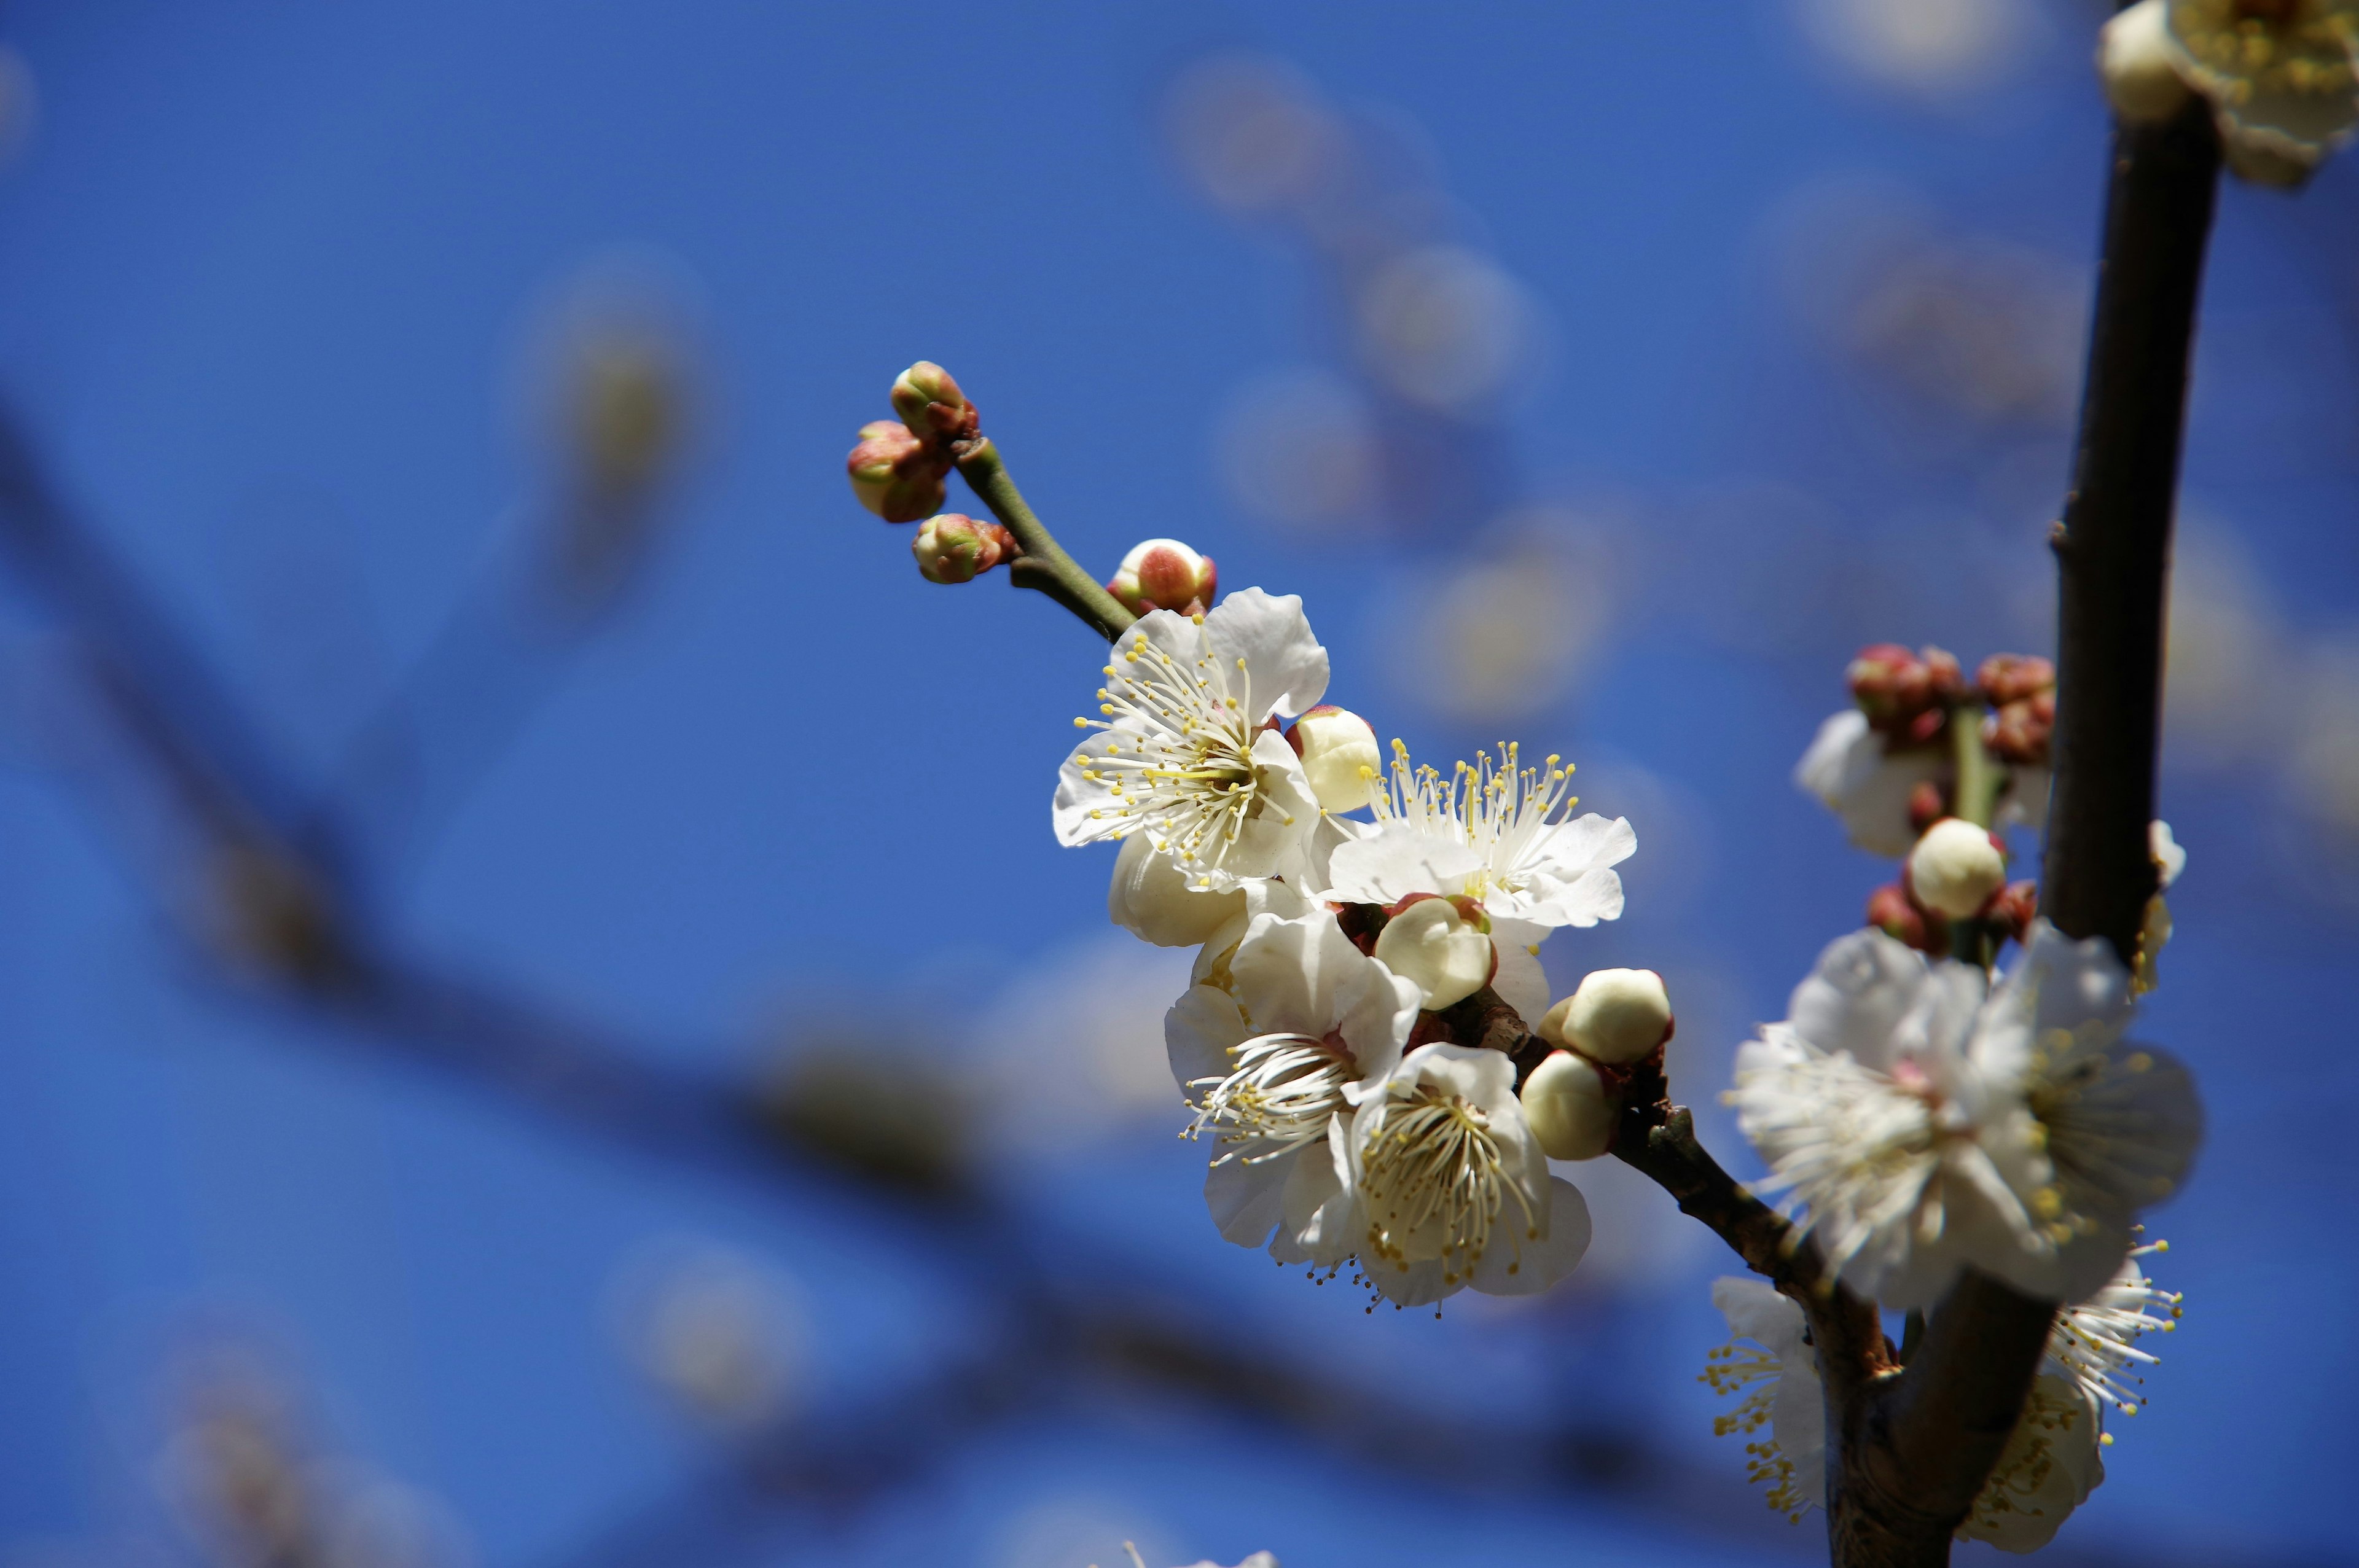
[
  {"x": 1442, "y": 945},
  {"x": 931, "y": 404},
  {"x": 1570, "y": 1112},
  {"x": 2014, "y": 908},
  {"x": 1927, "y": 804},
  {"x": 2023, "y": 732},
  {"x": 1904, "y": 693},
  {"x": 954, "y": 547},
  {"x": 1156, "y": 901},
  {"x": 1955, "y": 868},
  {"x": 1891, "y": 911},
  {"x": 895, "y": 474},
  {"x": 2011, "y": 677},
  {"x": 1164, "y": 574},
  {"x": 1339, "y": 756},
  {"x": 2138, "y": 65},
  {"x": 1614, "y": 1016}
]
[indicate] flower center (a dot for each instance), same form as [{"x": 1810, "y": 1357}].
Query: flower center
[
  {"x": 1433, "y": 1182},
  {"x": 1494, "y": 808},
  {"x": 1178, "y": 758},
  {"x": 1279, "y": 1096}
]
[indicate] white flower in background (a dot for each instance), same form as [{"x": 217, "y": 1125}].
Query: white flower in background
[
  {"x": 1258, "y": 1559},
  {"x": 1850, "y": 770},
  {"x": 2280, "y": 77},
  {"x": 1779, "y": 1383},
  {"x": 1451, "y": 1187},
  {"x": 1186, "y": 753},
  {"x": 2048, "y": 1468},
  {"x": 2095, "y": 1342},
  {"x": 1496, "y": 833},
  {"x": 1273, "y": 1063},
  {"x": 1924, "y": 1125}
]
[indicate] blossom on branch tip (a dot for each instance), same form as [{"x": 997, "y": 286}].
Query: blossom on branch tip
[
  {"x": 1613, "y": 1016},
  {"x": 1452, "y": 1188},
  {"x": 1186, "y": 751},
  {"x": 1164, "y": 574},
  {"x": 1956, "y": 868},
  {"x": 895, "y": 474},
  {"x": 1569, "y": 1109},
  {"x": 1274, "y": 1064},
  {"x": 932, "y": 406},
  {"x": 2282, "y": 77},
  {"x": 954, "y": 547},
  {"x": 1497, "y": 832},
  {"x": 1922, "y": 1121},
  {"x": 1339, "y": 756}
]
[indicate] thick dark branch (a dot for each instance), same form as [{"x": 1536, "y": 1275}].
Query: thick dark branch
[{"x": 1918, "y": 1449}]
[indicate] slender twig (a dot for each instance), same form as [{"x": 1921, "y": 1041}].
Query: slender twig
[
  {"x": 1918, "y": 1448},
  {"x": 1044, "y": 566}
]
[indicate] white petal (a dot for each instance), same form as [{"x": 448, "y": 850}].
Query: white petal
[
  {"x": 1854, "y": 998},
  {"x": 1298, "y": 976},
  {"x": 1283, "y": 663},
  {"x": 1379, "y": 1011},
  {"x": 1521, "y": 982},
  {"x": 1396, "y": 860},
  {"x": 1247, "y": 1200},
  {"x": 1198, "y": 1032},
  {"x": 1759, "y": 1311},
  {"x": 1518, "y": 1267}
]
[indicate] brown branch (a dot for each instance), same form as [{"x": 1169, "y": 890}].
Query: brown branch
[{"x": 1918, "y": 1448}]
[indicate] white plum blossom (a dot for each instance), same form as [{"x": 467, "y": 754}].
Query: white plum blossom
[
  {"x": 2048, "y": 1468},
  {"x": 1497, "y": 833},
  {"x": 1274, "y": 1055},
  {"x": 1923, "y": 1121},
  {"x": 1451, "y": 1188},
  {"x": 1187, "y": 751},
  {"x": 1779, "y": 1383},
  {"x": 1850, "y": 768},
  {"x": 2095, "y": 1342}
]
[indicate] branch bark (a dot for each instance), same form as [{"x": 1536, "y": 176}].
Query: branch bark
[{"x": 1916, "y": 1448}]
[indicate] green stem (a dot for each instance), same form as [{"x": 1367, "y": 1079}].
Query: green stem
[
  {"x": 1044, "y": 566},
  {"x": 1978, "y": 775}
]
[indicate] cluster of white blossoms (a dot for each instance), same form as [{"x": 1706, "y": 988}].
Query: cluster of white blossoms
[
  {"x": 1331, "y": 1043},
  {"x": 2053, "y": 1458}
]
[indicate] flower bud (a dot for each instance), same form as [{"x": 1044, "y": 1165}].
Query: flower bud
[
  {"x": 1339, "y": 756},
  {"x": 954, "y": 547},
  {"x": 1569, "y": 1110},
  {"x": 2012, "y": 678},
  {"x": 2137, "y": 65},
  {"x": 1442, "y": 945},
  {"x": 1904, "y": 693},
  {"x": 1927, "y": 804},
  {"x": 1615, "y": 1016},
  {"x": 1151, "y": 898},
  {"x": 931, "y": 404},
  {"x": 895, "y": 474},
  {"x": 1164, "y": 574},
  {"x": 2014, "y": 909},
  {"x": 2023, "y": 732},
  {"x": 1956, "y": 868},
  {"x": 1891, "y": 911}
]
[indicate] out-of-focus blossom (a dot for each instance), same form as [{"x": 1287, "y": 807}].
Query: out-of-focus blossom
[
  {"x": 1300, "y": 446},
  {"x": 1871, "y": 784},
  {"x": 1932, "y": 48},
  {"x": 2138, "y": 62},
  {"x": 1446, "y": 327},
  {"x": 2280, "y": 75},
  {"x": 2325, "y": 762},
  {"x": 1779, "y": 1385},
  {"x": 1508, "y": 633},
  {"x": 2048, "y": 1468},
  {"x": 20, "y": 103},
  {"x": 1074, "y": 1045},
  {"x": 1182, "y": 753},
  {"x": 1252, "y": 134},
  {"x": 1258, "y": 1559},
  {"x": 2095, "y": 1342},
  {"x": 716, "y": 1330},
  {"x": 1956, "y": 868}
]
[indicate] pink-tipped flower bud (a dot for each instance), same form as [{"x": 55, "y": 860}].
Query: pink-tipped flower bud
[
  {"x": 954, "y": 547},
  {"x": 2011, "y": 677},
  {"x": 1615, "y": 1016},
  {"x": 1927, "y": 804},
  {"x": 2023, "y": 732},
  {"x": 1569, "y": 1108},
  {"x": 1905, "y": 694},
  {"x": 1956, "y": 868},
  {"x": 2014, "y": 909},
  {"x": 1891, "y": 911},
  {"x": 931, "y": 404},
  {"x": 1442, "y": 945},
  {"x": 895, "y": 474},
  {"x": 1164, "y": 574},
  {"x": 1339, "y": 756}
]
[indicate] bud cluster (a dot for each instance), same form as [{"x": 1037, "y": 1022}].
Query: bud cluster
[
  {"x": 2021, "y": 688},
  {"x": 954, "y": 547},
  {"x": 899, "y": 468},
  {"x": 1957, "y": 871},
  {"x": 1611, "y": 1023},
  {"x": 1906, "y": 696}
]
